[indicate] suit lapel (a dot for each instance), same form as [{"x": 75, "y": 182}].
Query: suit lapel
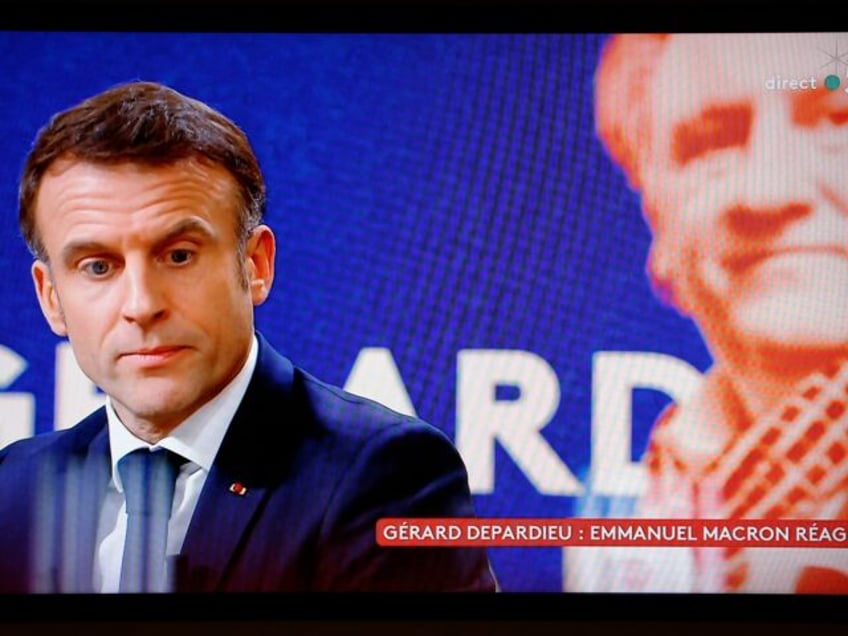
[
  {"x": 216, "y": 529},
  {"x": 248, "y": 465}
]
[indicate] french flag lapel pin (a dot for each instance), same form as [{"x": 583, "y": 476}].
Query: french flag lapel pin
[{"x": 238, "y": 488}]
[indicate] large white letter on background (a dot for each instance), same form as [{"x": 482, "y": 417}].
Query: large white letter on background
[
  {"x": 614, "y": 376},
  {"x": 482, "y": 419},
  {"x": 17, "y": 410},
  {"x": 76, "y": 395},
  {"x": 375, "y": 376}
]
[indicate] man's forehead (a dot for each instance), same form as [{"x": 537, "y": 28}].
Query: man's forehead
[
  {"x": 190, "y": 165},
  {"x": 77, "y": 191},
  {"x": 68, "y": 177},
  {"x": 697, "y": 70}
]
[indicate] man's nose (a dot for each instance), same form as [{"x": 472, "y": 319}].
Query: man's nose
[
  {"x": 782, "y": 177},
  {"x": 144, "y": 300}
]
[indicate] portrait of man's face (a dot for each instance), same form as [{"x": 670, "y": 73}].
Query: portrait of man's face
[
  {"x": 746, "y": 189},
  {"x": 145, "y": 280}
]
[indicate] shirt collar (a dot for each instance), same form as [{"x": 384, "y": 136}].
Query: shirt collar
[
  {"x": 199, "y": 436},
  {"x": 701, "y": 427}
]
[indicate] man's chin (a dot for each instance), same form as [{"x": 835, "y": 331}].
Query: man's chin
[
  {"x": 790, "y": 327},
  {"x": 164, "y": 410},
  {"x": 796, "y": 302}
]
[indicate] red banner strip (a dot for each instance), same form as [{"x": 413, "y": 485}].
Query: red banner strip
[{"x": 741, "y": 533}]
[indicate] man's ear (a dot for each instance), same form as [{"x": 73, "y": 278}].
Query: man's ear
[
  {"x": 48, "y": 298},
  {"x": 259, "y": 260}
]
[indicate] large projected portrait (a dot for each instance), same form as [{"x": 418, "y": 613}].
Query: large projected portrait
[
  {"x": 552, "y": 277},
  {"x": 737, "y": 145}
]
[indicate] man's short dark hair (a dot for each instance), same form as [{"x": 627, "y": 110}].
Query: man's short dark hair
[{"x": 149, "y": 124}]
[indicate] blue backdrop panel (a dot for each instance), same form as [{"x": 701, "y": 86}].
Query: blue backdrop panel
[{"x": 430, "y": 193}]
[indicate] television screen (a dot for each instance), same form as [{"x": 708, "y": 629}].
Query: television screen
[{"x": 611, "y": 268}]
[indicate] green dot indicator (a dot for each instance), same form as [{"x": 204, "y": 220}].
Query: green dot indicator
[{"x": 831, "y": 82}]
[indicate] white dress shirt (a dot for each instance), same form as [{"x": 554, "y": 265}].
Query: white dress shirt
[{"x": 197, "y": 439}]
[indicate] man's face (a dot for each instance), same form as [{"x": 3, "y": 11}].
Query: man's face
[
  {"x": 144, "y": 278},
  {"x": 747, "y": 188}
]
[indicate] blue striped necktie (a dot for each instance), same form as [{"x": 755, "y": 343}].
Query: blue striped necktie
[{"x": 148, "y": 478}]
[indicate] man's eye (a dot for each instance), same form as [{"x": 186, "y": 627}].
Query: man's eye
[
  {"x": 717, "y": 128},
  {"x": 97, "y": 268},
  {"x": 180, "y": 257}
]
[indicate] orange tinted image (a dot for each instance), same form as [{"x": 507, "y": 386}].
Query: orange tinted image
[{"x": 738, "y": 147}]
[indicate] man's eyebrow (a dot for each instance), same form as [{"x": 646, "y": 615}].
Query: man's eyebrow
[
  {"x": 72, "y": 249},
  {"x": 184, "y": 227},
  {"x": 809, "y": 107},
  {"x": 187, "y": 226},
  {"x": 713, "y": 128}
]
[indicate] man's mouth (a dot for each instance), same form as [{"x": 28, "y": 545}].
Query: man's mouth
[
  {"x": 742, "y": 260},
  {"x": 153, "y": 356}
]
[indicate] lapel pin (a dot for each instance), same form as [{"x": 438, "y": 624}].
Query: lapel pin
[{"x": 238, "y": 488}]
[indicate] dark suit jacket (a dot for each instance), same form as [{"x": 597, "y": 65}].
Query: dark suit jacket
[{"x": 320, "y": 466}]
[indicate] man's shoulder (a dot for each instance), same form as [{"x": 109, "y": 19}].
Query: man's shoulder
[
  {"x": 30, "y": 446},
  {"x": 337, "y": 411},
  {"x": 353, "y": 415},
  {"x": 59, "y": 442},
  {"x": 333, "y": 401}
]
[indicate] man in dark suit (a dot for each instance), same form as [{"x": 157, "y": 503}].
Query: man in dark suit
[{"x": 143, "y": 209}]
